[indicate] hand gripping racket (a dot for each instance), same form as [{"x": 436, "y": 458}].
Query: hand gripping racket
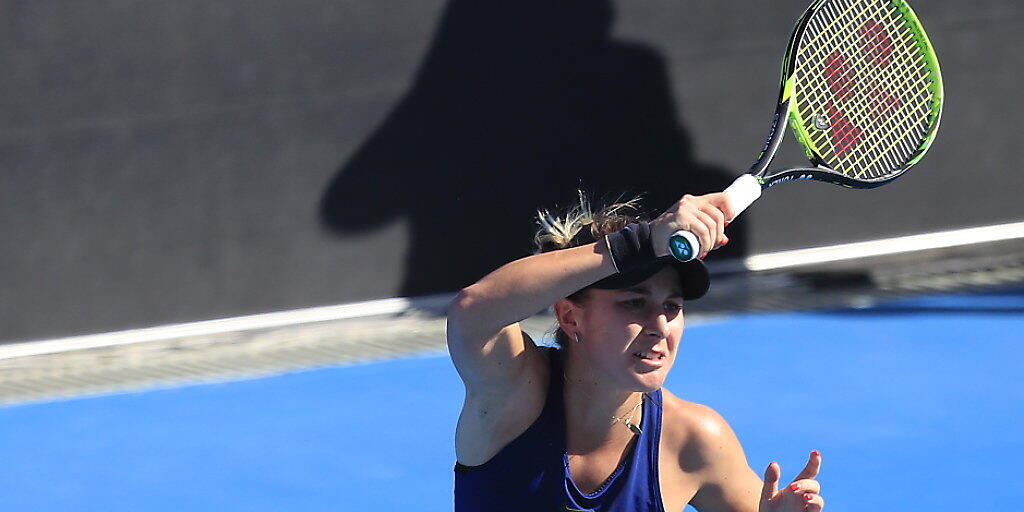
[{"x": 862, "y": 90}]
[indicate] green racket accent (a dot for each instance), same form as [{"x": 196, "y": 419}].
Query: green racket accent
[
  {"x": 865, "y": 88},
  {"x": 936, "y": 84},
  {"x": 797, "y": 123}
]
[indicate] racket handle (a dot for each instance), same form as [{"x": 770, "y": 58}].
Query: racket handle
[{"x": 685, "y": 246}]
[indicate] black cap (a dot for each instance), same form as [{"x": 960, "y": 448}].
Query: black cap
[{"x": 693, "y": 276}]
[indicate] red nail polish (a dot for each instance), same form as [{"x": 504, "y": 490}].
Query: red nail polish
[
  {"x": 808, "y": 497},
  {"x": 794, "y": 487},
  {"x": 816, "y": 453},
  {"x": 702, "y": 256}
]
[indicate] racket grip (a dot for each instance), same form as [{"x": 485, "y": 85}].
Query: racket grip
[{"x": 685, "y": 246}]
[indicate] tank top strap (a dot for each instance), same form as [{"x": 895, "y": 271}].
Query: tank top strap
[{"x": 648, "y": 446}]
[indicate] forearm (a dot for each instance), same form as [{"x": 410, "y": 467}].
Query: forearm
[{"x": 525, "y": 286}]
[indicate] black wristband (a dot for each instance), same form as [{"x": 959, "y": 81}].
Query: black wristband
[{"x": 631, "y": 248}]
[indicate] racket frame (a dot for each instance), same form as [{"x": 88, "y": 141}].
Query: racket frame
[{"x": 682, "y": 244}]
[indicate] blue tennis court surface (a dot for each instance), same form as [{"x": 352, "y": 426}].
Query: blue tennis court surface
[{"x": 915, "y": 405}]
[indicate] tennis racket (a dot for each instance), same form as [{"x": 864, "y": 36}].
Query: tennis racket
[{"x": 861, "y": 89}]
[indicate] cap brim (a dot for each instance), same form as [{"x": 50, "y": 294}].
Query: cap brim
[{"x": 693, "y": 276}]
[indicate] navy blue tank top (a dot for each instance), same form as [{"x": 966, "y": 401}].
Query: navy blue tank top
[{"x": 532, "y": 472}]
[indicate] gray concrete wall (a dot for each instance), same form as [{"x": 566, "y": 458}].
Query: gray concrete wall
[{"x": 175, "y": 161}]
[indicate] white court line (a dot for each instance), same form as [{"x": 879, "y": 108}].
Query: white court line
[
  {"x": 234, "y": 324},
  {"x": 884, "y": 247},
  {"x": 758, "y": 262}
]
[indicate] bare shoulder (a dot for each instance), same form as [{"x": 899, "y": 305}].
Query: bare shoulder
[
  {"x": 690, "y": 421},
  {"x": 700, "y": 436},
  {"x": 707, "y": 450}
]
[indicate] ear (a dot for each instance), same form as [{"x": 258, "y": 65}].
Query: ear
[{"x": 567, "y": 312}]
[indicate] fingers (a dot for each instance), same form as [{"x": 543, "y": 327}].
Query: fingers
[
  {"x": 814, "y": 502},
  {"x": 812, "y": 467},
  {"x": 805, "y": 485},
  {"x": 719, "y": 223},
  {"x": 721, "y": 201},
  {"x": 711, "y": 228},
  {"x": 803, "y": 491},
  {"x": 699, "y": 215},
  {"x": 707, "y": 232},
  {"x": 771, "y": 481}
]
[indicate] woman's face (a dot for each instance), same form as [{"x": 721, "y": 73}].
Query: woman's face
[{"x": 630, "y": 336}]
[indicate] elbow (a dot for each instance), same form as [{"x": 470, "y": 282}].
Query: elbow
[
  {"x": 461, "y": 305},
  {"x": 461, "y": 315},
  {"x": 471, "y": 310}
]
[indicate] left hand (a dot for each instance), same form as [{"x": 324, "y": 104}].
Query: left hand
[{"x": 801, "y": 495}]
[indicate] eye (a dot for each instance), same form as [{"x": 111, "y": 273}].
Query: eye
[
  {"x": 637, "y": 303},
  {"x": 673, "y": 307}
]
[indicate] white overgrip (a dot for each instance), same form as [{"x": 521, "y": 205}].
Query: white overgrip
[
  {"x": 742, "y": 193},
  {"x": 685, "y": 246}
]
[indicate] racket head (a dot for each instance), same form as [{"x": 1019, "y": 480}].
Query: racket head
[{"x": 862, "y": 91}]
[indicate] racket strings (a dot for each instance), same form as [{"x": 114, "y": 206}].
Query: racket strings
[
  {"x": 863, "y": 70},
  {"x": 833, "y": 16},
  {"x": 846, "y": 133},
  {"x": 872, "y": 100},
  {"x": 876, "y": 45},
  {"x": 857, "y": 62}
]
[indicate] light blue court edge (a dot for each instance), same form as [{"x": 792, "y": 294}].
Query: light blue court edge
[{"x": 915, "y": 405}]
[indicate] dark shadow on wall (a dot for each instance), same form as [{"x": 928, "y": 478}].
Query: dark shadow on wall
[{"x": 516, "y": 105}]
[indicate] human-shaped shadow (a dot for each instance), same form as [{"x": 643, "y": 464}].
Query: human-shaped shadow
[{"x": 515, "y": 107}]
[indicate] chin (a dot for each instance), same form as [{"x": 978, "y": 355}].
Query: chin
[{"x": 653, "y": 380}]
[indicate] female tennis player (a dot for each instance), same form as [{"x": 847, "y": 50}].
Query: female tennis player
[{"x": 588, "y": 426}]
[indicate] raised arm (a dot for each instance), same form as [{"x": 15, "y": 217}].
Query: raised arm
[{"x": 484, "y": 338}]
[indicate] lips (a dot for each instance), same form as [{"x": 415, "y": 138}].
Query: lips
[
  {"x": 650, "y": 358},
  {"x": 651, "y": 354}
]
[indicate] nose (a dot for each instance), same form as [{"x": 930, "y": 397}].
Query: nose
[{"x": 658, "y": 326}]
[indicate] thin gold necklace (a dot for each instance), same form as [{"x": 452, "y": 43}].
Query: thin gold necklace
[{"x": 628, "y": 420}]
